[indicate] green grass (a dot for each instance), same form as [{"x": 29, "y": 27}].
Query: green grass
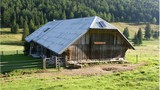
[
  {"x": 148, "y": 51},
  {"x": 142, "y": 79},
  {"x": 9, "y": 41}
]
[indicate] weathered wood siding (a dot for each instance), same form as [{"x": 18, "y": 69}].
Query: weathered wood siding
[{"x": 85, "y": 47}]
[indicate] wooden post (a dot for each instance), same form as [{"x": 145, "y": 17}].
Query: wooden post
[
  {"x": 44, "y": 63},
  {"x": 66, "y": 61},
  {"x": 58, "y": 65},
  {"x": 136, "y": 58},
  {"x": 30, "y": 50},
  {"x": 99, "y": 53},
  {"x": 56, "y": 61}
]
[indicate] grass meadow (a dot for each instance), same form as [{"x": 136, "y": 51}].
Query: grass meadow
[
  {"x": 143, "y": 78},
  {"x": 9, "y": 41}
]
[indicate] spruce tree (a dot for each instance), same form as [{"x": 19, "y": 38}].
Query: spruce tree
[
  {"x": 148, "y": 31},
  {"x": 45, "y": 21},
  {"x": 136, "y": 40},
  {"x": 154, "y": 21},
  {"x": 63, "y": 15},
  {"x": 31, "y": 27},
  {"x": 13, "y": 26},
  {"x": 139, "y": 36},
  {"x": 71, "y": 15},
  {"x": 126, "y": 32},
  {"x": 156, "y": 34},
  {"x": 25, "y": 31},
  {"x": 42, "y": 21},
  {"x": 16, "y": 28},
  {"x": 21, "y": 21}
]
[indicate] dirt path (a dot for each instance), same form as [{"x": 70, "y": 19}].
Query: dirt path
[
  {"x": 94, "y": 70},
  {"x": 88, "y": 71}
]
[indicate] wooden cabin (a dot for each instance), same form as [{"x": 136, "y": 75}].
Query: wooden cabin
[{"x": 89, "y": 38}]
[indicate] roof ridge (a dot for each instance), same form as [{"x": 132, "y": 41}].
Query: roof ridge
[{"x": 93, "y": 21}]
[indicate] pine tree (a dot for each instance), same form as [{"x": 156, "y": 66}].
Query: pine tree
[
  {"x": 112, "y": 19},
  {"x": 45, "y": 21},
  {"x": 136, "y": 40},
  {"x": 126, "y": 32},
  {"x": 63, "y": 15},
  {"x": 156, "y": 34},
  {"x": 26, "y": 19},
  {"x": 71, "y": 15},
  {"x": 13, "y": 26},
  {"x": 148, "y": 31},
  {"x": 139, "y": 36},
  {"x": 31, "y": 27},
  {"x": 16, "y": 28},
  {"x": 25, "y": 31},
  {"x": 21, "y": 21},
  {"x": 154, "y": 21},
  {"x": 42, "y": 21}
]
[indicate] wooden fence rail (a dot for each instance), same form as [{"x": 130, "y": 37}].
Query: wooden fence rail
[
  {"x": 11, "y": 52},
  {"x": 10, "y": 65}
]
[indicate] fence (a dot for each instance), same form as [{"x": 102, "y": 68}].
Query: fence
[
  {"x": 11, "y": 52},
  {"x": 22, "y": 64}
]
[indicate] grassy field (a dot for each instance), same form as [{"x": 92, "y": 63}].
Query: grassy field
[
  {"x": 9, "y": 41},
  {"x": 142, "y": 78},
  {"x": 132, "y": 27}
]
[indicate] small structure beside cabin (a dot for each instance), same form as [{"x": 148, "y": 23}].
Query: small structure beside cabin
[{"x": 80, "y": 39}]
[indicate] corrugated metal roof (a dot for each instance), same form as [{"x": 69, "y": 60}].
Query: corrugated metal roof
[{"x": 58, "y": 35}]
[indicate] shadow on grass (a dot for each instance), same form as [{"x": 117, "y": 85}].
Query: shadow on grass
[
  {"x": 8, "y": 32},
  {"x": 18, "y": 43},
  {"x": 13, "y": 62}
]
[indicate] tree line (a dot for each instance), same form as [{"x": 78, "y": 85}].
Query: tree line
[
  {"x": 15, "y": 12},
  {"x": 138, "y": 37}
]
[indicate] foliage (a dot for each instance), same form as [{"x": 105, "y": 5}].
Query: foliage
[
  {"x": 135, "y": 39},
  {"x": 25, "y": 31},
  {"x": 154, "y": 20},
  {"x": 32, "y": 26},
  {"x": 16, "y": 28},
  {"x": 148, "y": 31},
  {"x": 110, "y": 10},
  {"x": 126, "y": 32},
  {"x": 13, "y": 26},
  {"x": 156, "y": 34},
  {"x": 139, "y": 36}
]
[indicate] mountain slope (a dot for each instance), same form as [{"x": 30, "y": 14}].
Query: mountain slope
[{"x": 41, "y": 11}]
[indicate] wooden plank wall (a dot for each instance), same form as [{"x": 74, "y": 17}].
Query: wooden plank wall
[{"x": 84, "y": 48}]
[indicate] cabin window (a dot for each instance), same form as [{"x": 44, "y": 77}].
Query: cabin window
[
  {"x": 101, "y": 23},
  {"x": 46, "y": 29}
]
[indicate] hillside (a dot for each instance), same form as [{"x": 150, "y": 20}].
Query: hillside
[{"x": 41, "y": 11}]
